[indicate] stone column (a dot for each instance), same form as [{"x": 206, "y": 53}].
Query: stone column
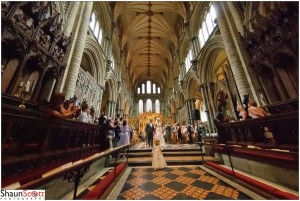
[
  {"x": 145, "y": 105},
  {"x": 153, "y": 106},
  {"x": 78, "y": 51},
  {"x": 192, "y": 105},
  {"x": 182, "y": 71},
  {"x": 174, "y": 117},
  {"x": 113, "y": 109},
  {"x": 187, "y": 103},
  {"x": 163, "y": 108},
  {"x": 204, "y": 96},
  {"x": 71, "y": 18},
  {"x": 135, "y": 109},
  {"x": 121, "y": 112},
  {"x": 178, "y": 115},
  {"x": 196, "y": 46},
  {"x": 233, "y": 57}
]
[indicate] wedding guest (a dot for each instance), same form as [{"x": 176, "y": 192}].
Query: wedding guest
[
  {"x": 84, "y": 116},
  {"x": 56, "y": 107}
]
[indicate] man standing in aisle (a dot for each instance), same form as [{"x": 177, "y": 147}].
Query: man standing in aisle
[
  {"x": 168, "y": 133},
  {"x": 149, "y": 130}
]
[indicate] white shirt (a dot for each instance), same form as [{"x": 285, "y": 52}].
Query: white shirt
[{"x": 84, "y": 117}]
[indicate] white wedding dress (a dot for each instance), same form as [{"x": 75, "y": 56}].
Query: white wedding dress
[{"x": 159, "y": 134}]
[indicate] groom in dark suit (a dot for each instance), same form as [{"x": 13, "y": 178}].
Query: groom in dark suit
[{"x": 149, "y": 130}]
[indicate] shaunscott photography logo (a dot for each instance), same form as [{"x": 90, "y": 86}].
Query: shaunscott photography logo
[{"x": 22, "y": 195}]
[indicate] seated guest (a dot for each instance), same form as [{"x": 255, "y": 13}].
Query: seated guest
[
  {"x": 257, "y": 112},
  {"x": 254, "y": 111},
  {"x": 56, "y": 107},
  {"x": 84, "y": 116},
  {"x": 242, "y": 113}
]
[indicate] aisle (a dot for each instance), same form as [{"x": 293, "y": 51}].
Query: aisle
[{"x": 175, "y": 182}]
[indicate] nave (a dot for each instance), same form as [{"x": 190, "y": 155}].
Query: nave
[{"x": 78, "y": 75}]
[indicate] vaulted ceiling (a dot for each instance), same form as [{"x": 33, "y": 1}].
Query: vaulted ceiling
[{"x": 149, "y": 37}]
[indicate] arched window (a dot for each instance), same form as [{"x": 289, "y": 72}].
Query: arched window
[
  {"x": 213, "y": 14},
  {"x": 207, "y": 26},
  {"x": 158, "y": 90},
  {"x": 141, "y": 107},
  {"x": 205, "y": 32},
  {"x": 148, "y": 87},
  {"x": 96, "y": 32},
  {"x": 92, "y": 21},
  {"x": 100, "y": 36},
  {"x": 143, "y": 88},
  {"x": 209, "y": 23},
  {"x": 149, "y": 106},
  {"x": 201, "y": 38},
  {"x": 154, "y": 88},
  {"x": 157, "y": 106},
  {"x": 188, "y": 60},
  {"x": 139, "y": 90}
]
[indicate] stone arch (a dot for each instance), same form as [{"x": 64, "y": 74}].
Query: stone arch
[
  {"x": 121, "y": 100},
  {"x": 126, "y": 108},
  {"x": 207, "y": 58},
  {"x": 113, "y": 86},
  {"x": 180, "y": 100},
  {"x": 173, "y": 107},
  {"x": 191, "y": 84},
  {"x": 196, "y": 24},
  {"x": 97, "y": 60}
]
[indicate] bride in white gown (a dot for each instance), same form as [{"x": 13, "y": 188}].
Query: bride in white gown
[{"x": 159, "y": 132}]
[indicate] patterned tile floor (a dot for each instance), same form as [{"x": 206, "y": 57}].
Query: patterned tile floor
[{"x": 176, "y": 183}]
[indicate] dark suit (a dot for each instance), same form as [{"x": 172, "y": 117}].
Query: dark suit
[{"x": 149, "y": 130}]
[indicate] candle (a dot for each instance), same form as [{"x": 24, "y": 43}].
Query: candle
[
  {"x": 21, "y": 84},
  {"x": 27, "y": 87}
]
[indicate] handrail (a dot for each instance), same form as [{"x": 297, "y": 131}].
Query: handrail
[
  {"x": 74, "y": 168},
  {"x": 31, "y": 139},
  {"x": 283, "y": 126}
]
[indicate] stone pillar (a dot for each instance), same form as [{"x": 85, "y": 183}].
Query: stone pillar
[
  {"x": 182, "y": 71},
  {"x": 236, "y": 17},
  {"x": 113, "y": 109},
  {"x": 178, "y": 115},
  {"x": 71, "y": 18},
  {"x": 107, "y": 46},
  {"x": 206, "y": 108},
  {"x": 163, "y": 108},
  {"x": 145, "y": 105},
  {"x": 233, "y": 57},
  {"x": 195, "y": 46},
  {"x": 174, "y": 117},
  {"x": 188, "y": 108},
  {"x": 108, "y": 106},
  {"x": 121, "y": 112},
  {"x": 192, "y": 105},
  {"x": 78, "y": 51},
  {"x": 153, "y": 106}
]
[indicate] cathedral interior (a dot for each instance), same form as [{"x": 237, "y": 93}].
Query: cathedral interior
[{"x": 188, "y": 63}]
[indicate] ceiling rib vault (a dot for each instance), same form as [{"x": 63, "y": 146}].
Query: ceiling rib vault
[{"x": 149, "y": 33}]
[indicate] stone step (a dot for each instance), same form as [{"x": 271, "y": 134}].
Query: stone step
[
  {"x": 174, "y": 154},
  {"x": 187, "y": 160},
  {"x": 165, "y": 153}
]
